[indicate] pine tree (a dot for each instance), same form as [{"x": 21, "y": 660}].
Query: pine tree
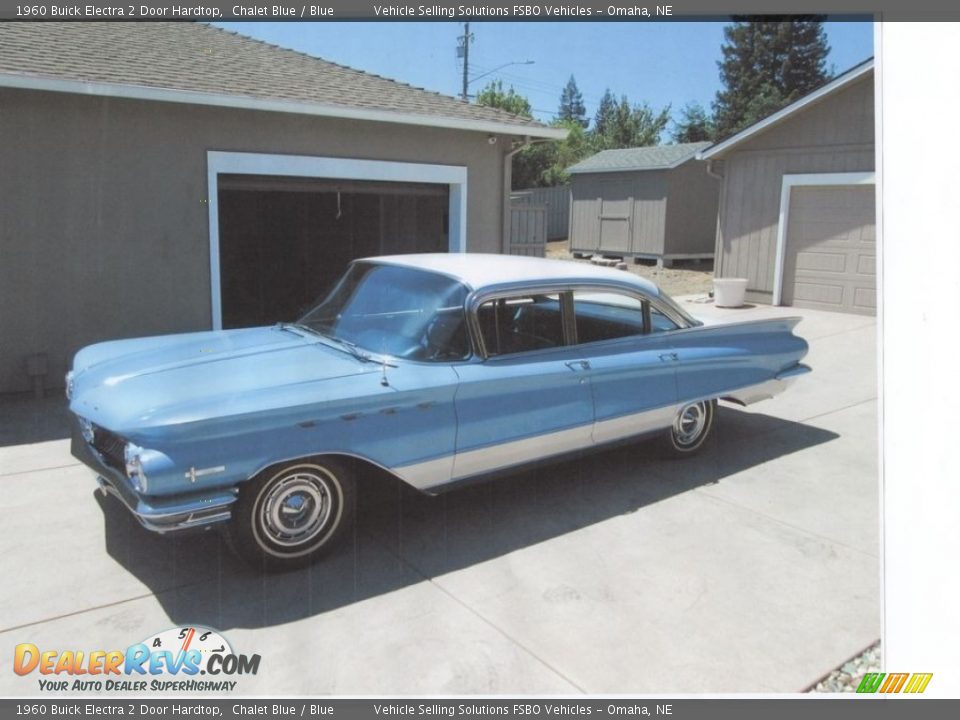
[
  {"x": 603, "y": 120},
  {"x": 571, "y": 105},
  {"x": 619, "y": 124},
  {"x": 694, "y": 125},
  {"x": 765, "y": 66}
]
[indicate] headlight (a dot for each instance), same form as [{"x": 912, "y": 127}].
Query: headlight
[
  {"x": 86, "y": 429},
  {"x": 68, "y": 385},
  {"x": 134, "y": 466}
]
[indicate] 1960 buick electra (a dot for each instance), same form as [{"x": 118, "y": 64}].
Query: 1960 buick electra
[{"x": 436, "y": 368}]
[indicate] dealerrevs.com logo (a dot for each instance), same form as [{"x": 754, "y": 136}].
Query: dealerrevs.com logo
[{"x": 185, "y": 659}]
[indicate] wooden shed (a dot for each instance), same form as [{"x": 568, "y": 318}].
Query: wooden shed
[{"x": 653, "y": 202}]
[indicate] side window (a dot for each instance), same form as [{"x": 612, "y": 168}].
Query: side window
[
  {"x": 445, "y": 337},
  {"x": 607, "y": 316},
  {"x": 660, "y": 322},
  {"x": 520, "y": 323}
]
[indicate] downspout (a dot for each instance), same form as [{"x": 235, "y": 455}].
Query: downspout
[
  {"x": 710, "y": 171},
  {"x": 508, "y": 188},
  {"x": 718, "y": 242}
]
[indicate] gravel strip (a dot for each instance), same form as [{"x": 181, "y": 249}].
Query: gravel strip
[{"x": 847, "y": 677}]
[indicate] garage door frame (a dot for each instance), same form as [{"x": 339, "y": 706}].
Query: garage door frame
[
  {"x": 234, "y": 163},
  {"x": 791, "y": 181}
]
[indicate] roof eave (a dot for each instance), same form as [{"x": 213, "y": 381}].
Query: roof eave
[
  {"x": 645, "y": 168},
  {"x": 246, "y": 102},
  {"x": 714, "y": 151}
]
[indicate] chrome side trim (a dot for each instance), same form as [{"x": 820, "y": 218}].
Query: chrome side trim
[
  {"x": 427, "y": 474},
  {"x": 433, "y": 473},
  {"x": 618, "y": 428},
  {"x": 517, "y": 452},
  {"x": 192, "y": 474},
  {"x": 768, "y": 389},
  {"x": 436, "y": 472}
]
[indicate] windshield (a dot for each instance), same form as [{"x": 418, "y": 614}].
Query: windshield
[{"x": 396, "y": 311}]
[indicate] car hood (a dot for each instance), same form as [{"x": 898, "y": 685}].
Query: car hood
[{"x": 129, "y": 384}]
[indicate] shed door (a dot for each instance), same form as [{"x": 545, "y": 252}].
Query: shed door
[
  {"x": 830, "y": 258},
  {"x": 615, "y": 217}
]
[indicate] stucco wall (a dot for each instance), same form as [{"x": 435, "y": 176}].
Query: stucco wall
[
  {"x": 104, "y": 226},
  {"x": 833, "y": 136}
]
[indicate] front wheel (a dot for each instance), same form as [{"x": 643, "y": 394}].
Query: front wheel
[
  {"x": 288, "y": 516},
  {"x": 691, "y": 428}
]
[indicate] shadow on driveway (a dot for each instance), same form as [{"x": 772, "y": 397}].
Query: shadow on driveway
[{"x": 402, "y": 537}]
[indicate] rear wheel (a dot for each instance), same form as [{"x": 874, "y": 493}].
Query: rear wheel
[
  {"x": 289, "y": 516},
  {"x": 691, "y": 428}
]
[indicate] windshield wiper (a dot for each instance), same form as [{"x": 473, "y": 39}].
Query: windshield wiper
[
  {"x": 349, "y": 347},
  {"x": 297, "y": 326}
]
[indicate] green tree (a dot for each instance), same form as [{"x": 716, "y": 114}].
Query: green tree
[
  {"x": 604, "y": 119},
  {"x": 571, "y": 104},
  {"x": 765, "y": 66},
  {"x": 545, "y": 164},
  {"x": 529, "y": 164},
  {"x": 493, "y": 95},
  {"x": 694, "y": 125},
  {"x": 622, "y": 125},
  {"x": 567, "y": 152}
]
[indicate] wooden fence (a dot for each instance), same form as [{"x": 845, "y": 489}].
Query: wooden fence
[
  {"x": 528, "y": 230},
  {"x": 557, "y": 202}
]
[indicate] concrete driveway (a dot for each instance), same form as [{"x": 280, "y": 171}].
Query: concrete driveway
[{"x": 751, "y": 568}]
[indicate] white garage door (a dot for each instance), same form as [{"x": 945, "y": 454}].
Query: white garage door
[{"x": 830, "y": 258}]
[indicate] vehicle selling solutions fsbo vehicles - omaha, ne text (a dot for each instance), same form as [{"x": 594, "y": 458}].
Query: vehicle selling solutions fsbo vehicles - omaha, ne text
[{"x": 437, "y": 368}]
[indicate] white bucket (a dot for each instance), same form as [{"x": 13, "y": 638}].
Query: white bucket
[{"x": 729, "y": 292}]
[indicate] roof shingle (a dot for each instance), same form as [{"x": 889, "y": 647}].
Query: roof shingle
[
  {"x": 654, "y": 157},
  {"x": 199, "y": 58}
]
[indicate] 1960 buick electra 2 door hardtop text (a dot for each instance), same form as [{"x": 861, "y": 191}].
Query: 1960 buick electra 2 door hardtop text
[{"x": 436, "y": 368}]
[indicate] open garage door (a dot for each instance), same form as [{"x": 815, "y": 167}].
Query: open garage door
[
  {"x": 283, "y": 241},
  {"x": 830, "y": 253}
]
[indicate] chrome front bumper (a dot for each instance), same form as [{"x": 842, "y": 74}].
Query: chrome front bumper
[{"x": 158, "y": 514}]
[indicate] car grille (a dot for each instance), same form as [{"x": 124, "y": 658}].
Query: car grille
[{"x": 111, "y": 447}]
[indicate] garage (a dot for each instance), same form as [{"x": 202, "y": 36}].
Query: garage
[
  {"x": 205, "y": 180},
  {"x": 830, "y": 260},
  {"x": 283, "y": 228},
  {"x": 284, "y": 241},
  {"x": 797, "y": 212}
]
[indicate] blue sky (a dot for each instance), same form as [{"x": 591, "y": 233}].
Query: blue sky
[{"x": 660, "y": 63}]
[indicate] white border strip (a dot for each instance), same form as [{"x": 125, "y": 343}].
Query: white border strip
[
  {"x": 220, "y": 163},
  {"x": 798, "y": 105},
  {"x": 188, "y": 97},
  {"x": 790, "y": 182}
]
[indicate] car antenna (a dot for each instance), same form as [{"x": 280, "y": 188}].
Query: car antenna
[{"x": 383, "y": 371}]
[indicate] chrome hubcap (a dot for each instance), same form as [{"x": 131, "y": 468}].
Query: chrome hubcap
[
  {"x": 296, "y": 508},
  {"x": 690, "y": 423}
]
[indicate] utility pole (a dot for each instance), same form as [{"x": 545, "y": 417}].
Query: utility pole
[{"x": 464, "y": 52}]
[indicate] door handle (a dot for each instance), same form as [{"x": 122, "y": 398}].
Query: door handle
[
  {"x": 578, "y": 364},
  {"x": 669, "y": 357}
]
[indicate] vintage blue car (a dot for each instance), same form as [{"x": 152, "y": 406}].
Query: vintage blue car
[{"x": 436, "y": 368}]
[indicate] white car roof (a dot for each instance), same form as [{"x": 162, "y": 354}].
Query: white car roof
[{"x": 480, "y": 270}]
